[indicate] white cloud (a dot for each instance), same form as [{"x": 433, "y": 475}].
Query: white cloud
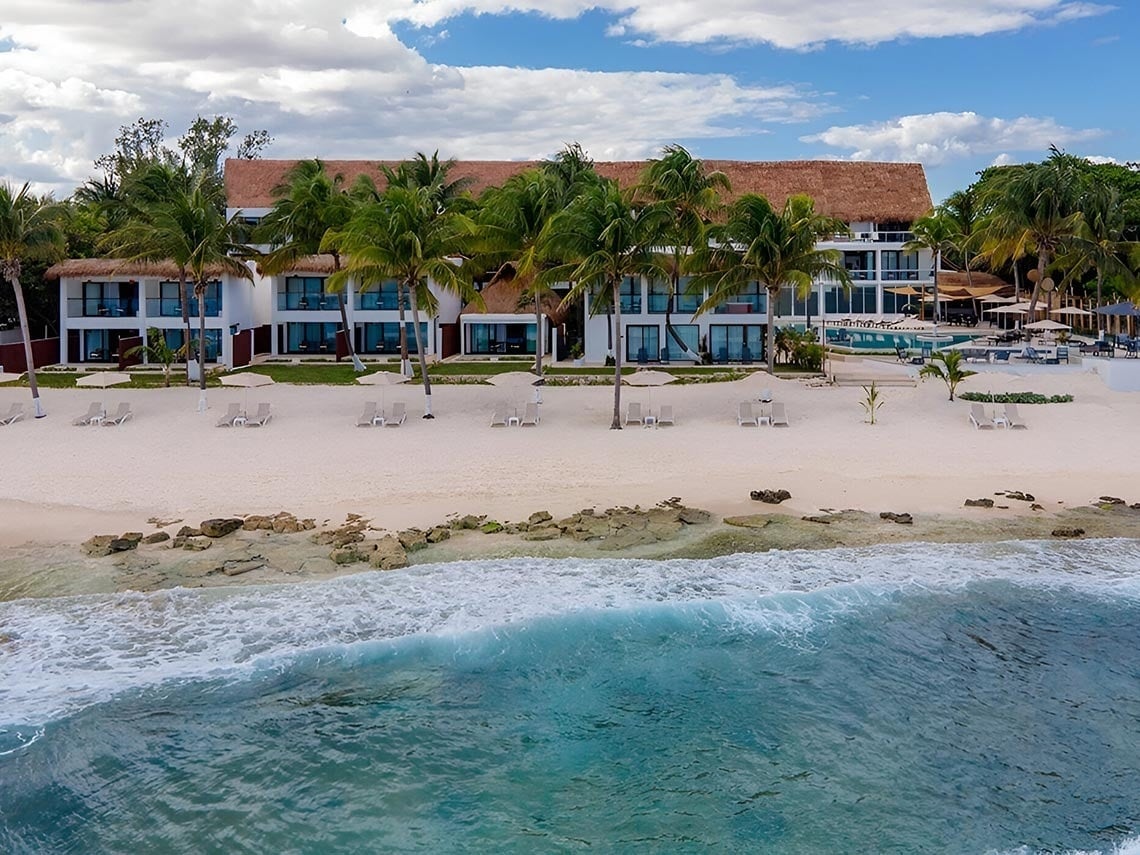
[
  {"x": 936, "y": 138},
  {"x": 1101, "y": 159},
  {"x": 783, "y": 23}
]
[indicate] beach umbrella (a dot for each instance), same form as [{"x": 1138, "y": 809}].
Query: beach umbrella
[
  {"x": 1006, "y": 310},
  {"x": 1046, "y": 325},
  {"x": 1070, "y": 310},
  {"x": 9, "y": 377},
  {"x": 515, "y": 380},
  {"x": 247, "y": 380},
  {"x": 649, "y": 378},
  {"x": 383, "y": 379},
  {"x": 993, "y": 299},
  {"x": 103, "y": 379}
]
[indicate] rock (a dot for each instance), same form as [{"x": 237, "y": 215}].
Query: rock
[
  {"x": 351, "y": 554},
  {"x": 491, "y": 527},
  {"x": 389, "y": 554},
  {"x": 1068, "y": 532},
  {"x": 194, "y": 544},
  {"x": 1111, "y": 500},
  {"x": 901, "y": 519},
  {"x": 257, "y": 521},
  {"x": 627, "y": 538},
  {"x": 664, "y": 529},
  {"x": 220, "y": 526},
  {"x": 470, "y": 522},
  {"x": 98, "y": 545},
  {"x": 539, "y": 517},
  {"x": 1135, "y": 506},
  {"x": 285, "y": 523},
  {"x": 122, "y": 544},
  {"x": 694, "y": 516},
  {"x": 237, "y": 568},
  {"x": 1019, "y": 496},
  {"x": 438, "y": 534},
  {"x": 308, "y": 524},
  {"x": 157, "y": 537},
  {"x": 823, "y": 520},
  {"x": 979, "y": 503},
  {"x": 1036, "y": 507},
  {"x": 412, "y": 539},
  {"x": 542, "y": 532},
  {"x": 770, "y": 497},
  {"x": 186, "y": 531},
  {"x": 136, "y": 536}
]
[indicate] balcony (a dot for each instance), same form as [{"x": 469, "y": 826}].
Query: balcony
[
  {"x": 900, "y": 275},
  {"x": 377, "y": 301},
  {"x": 307, "y": 303},
  {"x": 894, "y": 237},
  {"x": 168, "y": 307},
  {"x": 81, "y": 307}
]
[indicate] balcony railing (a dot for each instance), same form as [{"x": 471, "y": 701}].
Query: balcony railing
[
  {"x": 168, "y": 307},
  {"x": 861, "y": 275},
  {"x": 900, "y": 275},
  {"x": 81, "y": 307},
  {"x": 372, "y": 301},
  {"x": 894, "y": 237},
  {"x": 307, "y": 303}
]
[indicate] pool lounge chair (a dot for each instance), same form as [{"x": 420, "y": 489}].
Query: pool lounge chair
[
  {"x": 745, "y": 417},
  {"x": 1030, "y": 354},
  {"x": 530, "y": 415},
  {"x": 262, "y": 418},
  {"x": 121, "y": 415},
  {"x": 14, "y": 414},
  {"x": 666, "y": 417},
  {"x": 399, "y": 413},
  {"x": 979, "y": 419},
  {"x": 499, "y": 418},
  {"x": 633, "y": 414},
  {"x": 1013, "y": 418},
  {"x": 233, "y": 412},
  {"x": 779, "y": 417},
  {"x": 368, "y": 417},
  {"x": 94, "y": 415}
]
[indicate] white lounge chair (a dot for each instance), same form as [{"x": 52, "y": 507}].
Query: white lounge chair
[
  {"x": 94, "y": 415},
  {"x": 121, "y": 415},
  {"x": 633, "y": 414},
  {"x": 14, "y": 414},
  {"x": 233, "y": 413},
  {"x": 530, "y": 415},
  {"x": 368, "y": 417},
  {"x": 499, "y": 418},
  {"x": 399, "y": 413},
  {"x": 779, "y": 417},
  {"x": 261, "y": 419},
  {"x": 745, "y": 417},
  {"x": 979, "y": 418},
  {"x": 1013, "y": 418},
  {"x": 666, "y": 416}
]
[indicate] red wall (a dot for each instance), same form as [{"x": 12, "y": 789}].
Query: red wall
[{"x": 45, "y": 351}]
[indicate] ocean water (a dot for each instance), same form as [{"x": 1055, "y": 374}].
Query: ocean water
[{"x": 949, "y": 699}]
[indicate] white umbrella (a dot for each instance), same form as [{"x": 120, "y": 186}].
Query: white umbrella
[
  {"x": 993, "y": 299},
  {"x": 246, "y": 380},
  {"x": 9, "y": 377},
  {"x": 517, "y": 379},
  {"x": 648, "y": 377},
  {"x": 1006, "y": 310},
  {"x": 1070, "y": 310},
  {"x": 383, "y": 379},
  {"x": 1046, "y": 325},
  {"x": 103, "y": 379}
]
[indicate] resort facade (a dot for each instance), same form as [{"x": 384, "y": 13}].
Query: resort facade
[{"x": 105, "y": 302}]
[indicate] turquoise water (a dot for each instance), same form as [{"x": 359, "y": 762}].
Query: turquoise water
[
  {"x": 882, "y": 340},
  {"x": 911, "y": 699}
]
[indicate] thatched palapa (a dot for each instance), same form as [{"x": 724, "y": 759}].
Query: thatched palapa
[
  {"x": 505, "y": 296},
  {"x": 106, "y": 268}
]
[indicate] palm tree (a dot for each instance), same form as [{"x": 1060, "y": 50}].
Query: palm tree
[
  {"x": 309, "y": 202},
  {"x": 605, "y": 236},
  {"x": 405, "y": 235},
  {"x": 1100, "y": 244},
  {"x": 692, "y": 195},
  {"x": 758, "y": 244},
  {"x": 1036, "y": 209},
  {"x": 938, "y": 233},
  {"x": 946, "y": 365},
  {"x": 966, "y": 212},
  {"x": 28, "y": 231}
]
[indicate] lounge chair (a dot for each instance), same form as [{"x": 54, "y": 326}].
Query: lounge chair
[
  {"x": 399, "y": 413},
  {"x": 1062, "y": 353},
  {"x": 120, "y": 416},
  {"x": 499, "y": 418},
  {"x": 1013, "y": 418},
  {"x": 1001, "y": 356},
  {"x": 262, "y": 418},
  {"x": 530, "y": 415},
  {"x": 1030, "y": 354},
  {"x": 633, "y": 415},
  {"x": 14, "y": 414},
  {"x": 233, "y": 413},
  {"x": 779, "y": 417},
  {"x": 745, "y": 417},
  {"x": 368, "y": 417},
  {"x": 979, "y": 418},
  {"x": 94, "y": 415},
  {"x": 666, "y": 417}
]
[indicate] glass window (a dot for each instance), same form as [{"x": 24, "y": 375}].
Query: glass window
[
  {"x": 900, "y": 266},
  {"x": 658, "y": 297},
  {"x": 631, "y": 295},
  {"x": 753, "y": 297},
  {"x": 684, "y": 302},
  {"x": 792, "y": 304},
  {"x": 310, "y": 338},
  {"x": 736, "y": 342},
  {"x": 213, "y": 300},
  {"x": 175, "y": 337},
  {"x": 690, "y": 334},
  {"x": 894, "y": 304},
  {"x": 642, "y": 343},
  {"x": 382, "y": 296},
  {"x": 385, "y": 337},
  {"x": 860, "y": 264},
  {"x": 306, "y": 293},
  {"x": 500, "y": 338}
]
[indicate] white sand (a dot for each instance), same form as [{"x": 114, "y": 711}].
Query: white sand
[{"x": 59, "y": 482}]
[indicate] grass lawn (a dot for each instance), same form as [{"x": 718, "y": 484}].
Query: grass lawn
[{"x": 139, "y": 380}]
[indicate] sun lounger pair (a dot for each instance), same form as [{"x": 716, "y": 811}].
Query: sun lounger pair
[
  {"x": 1011, "y": 419},
  {"x": 14, "y": 414},
  {"x": 777, "y": 416},
  {"x": 122, "y": 414},
  {"x": 233, "y": 413},
  {"x": 261, "y": 419},
  {"x": 373, "y": 415},
  {"x": 94, "y": 415},
  {"x": 529, "y": 417}
]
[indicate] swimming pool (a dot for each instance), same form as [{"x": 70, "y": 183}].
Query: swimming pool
[{"x": 884, "y": 340}]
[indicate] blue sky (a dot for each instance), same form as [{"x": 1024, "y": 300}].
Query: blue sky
[{"x": 956, "y": 85}]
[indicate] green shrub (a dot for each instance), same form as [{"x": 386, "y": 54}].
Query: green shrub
[{"x": 1016, "y": 398}]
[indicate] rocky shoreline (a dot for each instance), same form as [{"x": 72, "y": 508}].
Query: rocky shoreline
[{"x": 282, "y": 548}]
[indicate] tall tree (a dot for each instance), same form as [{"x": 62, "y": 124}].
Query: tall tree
[
  {"x": 404, "y": 234},
  {"x": 1100, "y": 245},
  {"x": 966, "y": 212},
  {"x": 604, "y": 236},
  {"x": 28, "y": 231},
  {"x": 938, "y": 233},
  {"x": 309, "y": 203},
  {"x": 691, "y": 194},
  {"x": 756, "y": 243}
]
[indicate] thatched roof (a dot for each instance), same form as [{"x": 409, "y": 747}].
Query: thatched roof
[
  {"x": 504, "y": 296},
  {"x": 107, "y": 268},
  {"x": 319, "y": 264},
  {"x": 951, "y": 280},
  {"x": 849, "y": 190}
]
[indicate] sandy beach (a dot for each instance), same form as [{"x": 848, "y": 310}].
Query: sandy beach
[{"x": 63, "y": 483}]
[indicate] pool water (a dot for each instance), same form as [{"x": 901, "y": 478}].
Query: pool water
[{"x": 884, "y": 340}]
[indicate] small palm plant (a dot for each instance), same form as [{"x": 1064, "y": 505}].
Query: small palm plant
[
  {"x": 157, "y": 350},
  {"x": 946, "y": 365},
  {"x": 871, "y": 402}
]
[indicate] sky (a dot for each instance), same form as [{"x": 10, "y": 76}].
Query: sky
[{"x": 957, "y": 85}]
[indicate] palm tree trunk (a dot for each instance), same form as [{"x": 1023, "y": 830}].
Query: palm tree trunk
[
  {"x": 200, "y": 293},
  {"x": 184, "y": 307},
  {"x": 770, "y": 338},
  {"x": 1099, "y": 316},
  {"x": 26, "y": 334},
  {"x": 402, "y": 297},
  {"x": 422, "y": 356},
  {"x": 357, "y": 365},
  {"x": 537, "y": 333},
  {"x": 1042, "y": 263},
  {"x": 616, "y": 423}
]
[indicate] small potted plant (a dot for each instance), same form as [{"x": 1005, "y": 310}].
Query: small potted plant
[{"x": 576, "y": 354}]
